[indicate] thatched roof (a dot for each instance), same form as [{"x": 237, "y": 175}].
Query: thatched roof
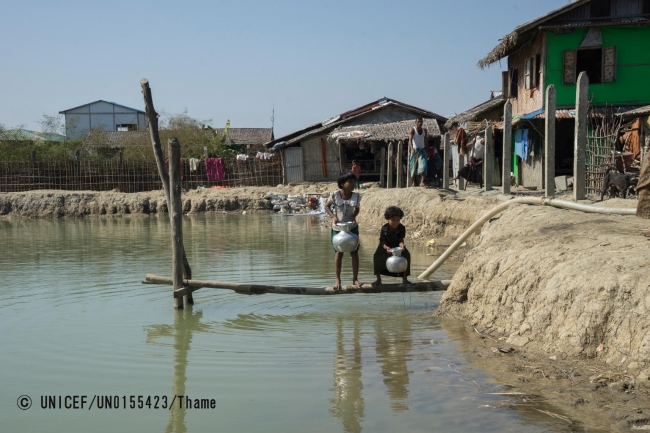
[
  {"x": 511, "y": 42},
  {"x": 244, "y": 136},
  {"x": 336, "y": 121},
  {"x": 388, "y": 131},
  {"x": 477, "y": 112}
]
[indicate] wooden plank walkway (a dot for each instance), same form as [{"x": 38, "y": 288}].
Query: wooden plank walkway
[{"x": 257, "y": 289}]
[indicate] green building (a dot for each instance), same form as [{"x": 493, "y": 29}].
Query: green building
[{"x": 607, "y": 39}]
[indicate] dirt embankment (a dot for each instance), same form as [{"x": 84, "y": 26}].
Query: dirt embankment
[{"x": 430, "y": 213}]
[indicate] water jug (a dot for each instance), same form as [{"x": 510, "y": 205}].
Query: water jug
[
  {"x": 345, "y": 241},
  {"x": 396, "y": 263}
]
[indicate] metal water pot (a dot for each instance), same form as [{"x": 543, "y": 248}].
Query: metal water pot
[
  {"x": 396, "y": 263},
  {"x": 345, "y": 241}
]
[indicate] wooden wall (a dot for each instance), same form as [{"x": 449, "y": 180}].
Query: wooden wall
[{"x": 527, "y": 100}]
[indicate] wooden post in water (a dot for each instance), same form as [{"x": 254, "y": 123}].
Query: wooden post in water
[
  {"x": 580, "y": 146},
  {"x": 176, "y": 217},
  {"x": 152, "y": 117},
  {"x": 400, "y": 169},
  {"x": 507, "y": 147},
  {"x": 445, "y": 168},
  {"x": 389, "y": 177},
  {"x": 488, "y": 158},
  {"x": 549, "y": 145},
  {"x": 382, "y": 167}
]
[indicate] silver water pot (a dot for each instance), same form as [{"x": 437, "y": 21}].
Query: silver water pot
[
  {"x": 396, "y": 263},
  {"x": 345, "y": 241}
]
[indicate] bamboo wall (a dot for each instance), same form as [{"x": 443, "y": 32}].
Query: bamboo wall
[{"x": 129, "y": 176}]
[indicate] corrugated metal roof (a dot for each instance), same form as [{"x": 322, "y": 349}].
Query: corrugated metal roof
[
  {"x": 390, "y": 131},
  {"x": 27, "y": 135},
  {"x": 101, "y": 100},
  {"x": 569, "y": 113},
  {"x": 475, "y": 112},
  {"x": 639, "y": 112},
  {"x": 599, "y": 23},
  {"x": 335, "y": 121}
]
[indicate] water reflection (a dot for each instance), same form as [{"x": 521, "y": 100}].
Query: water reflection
[
  {"x": 393, "y": 346},
  {"x": 186, "y": 322},
  {"x": 348, "y": 405}
]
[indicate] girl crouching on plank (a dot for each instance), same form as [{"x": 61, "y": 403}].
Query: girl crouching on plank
[{"x": 392, "y": 235}]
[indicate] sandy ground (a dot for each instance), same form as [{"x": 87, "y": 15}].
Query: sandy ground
[{"x": 554, "y": 302}]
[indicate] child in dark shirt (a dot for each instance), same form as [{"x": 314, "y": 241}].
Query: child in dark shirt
[{"x": 392, "y": 235}]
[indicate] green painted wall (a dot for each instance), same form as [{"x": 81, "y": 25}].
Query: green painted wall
[{"x": 632, "y": 85}]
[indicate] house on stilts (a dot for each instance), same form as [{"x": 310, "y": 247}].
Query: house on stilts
[
  {"x": 320, "y": 152},
  {"x": 608, "y": 40}
]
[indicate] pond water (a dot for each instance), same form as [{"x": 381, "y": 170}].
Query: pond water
[{"x": 77, "y": 321}]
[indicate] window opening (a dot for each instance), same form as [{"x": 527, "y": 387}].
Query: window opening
[
  {"x": 125, "y": 127},
  {"x": 591, "y": 62},
  {"x": 646, "y": 7},
  {"x": 538, "y": 71},
  {"x": 514, "y": 83},
  {"x": 528, "y": 74}
]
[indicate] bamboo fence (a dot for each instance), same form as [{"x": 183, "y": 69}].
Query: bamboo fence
[{"x": 129, "y": 176}]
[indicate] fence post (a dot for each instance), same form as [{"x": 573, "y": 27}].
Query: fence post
[
  {"x": 507, "y": 147},
  {"x": 445, "y": 168},
  {"x": 488, "y": 161},
  {"x": 580, "y": 145},
  {"x": 549, "y": 151},
  {"x": 389, "y": 177},
  {"x": 382, "y": 167},
  {"x": 400, "y": 169}
]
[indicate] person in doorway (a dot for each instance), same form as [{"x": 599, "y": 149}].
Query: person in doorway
[
  {"x": 392, "y": 235},
  {"x": 418, "y": 147},
  {"x": 345, "y": 203},
  {"x": 459, "y": 138},
  {"x": 356, "y": 169}
]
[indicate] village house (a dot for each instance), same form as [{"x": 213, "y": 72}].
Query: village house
[
  {"x": 104, "y": 116},
  {"x": 607, "y": 39},
  {"x": 320, "y": 152}
]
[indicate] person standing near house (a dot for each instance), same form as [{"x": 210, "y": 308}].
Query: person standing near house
[
  {"x": 356, "y": 169},
  {"x": 418, "y": 147}
]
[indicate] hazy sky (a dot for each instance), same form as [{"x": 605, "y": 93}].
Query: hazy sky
[{"x": 236, "y": 60}]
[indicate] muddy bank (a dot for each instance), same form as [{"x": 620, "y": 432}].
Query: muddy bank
[
  {"x": 561, "y": 284},
  {"x": 583, "y": 394},
  {"x": 429, "y": 213}
]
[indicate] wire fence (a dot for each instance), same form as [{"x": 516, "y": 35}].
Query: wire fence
[{"x": 130, "y": 176}]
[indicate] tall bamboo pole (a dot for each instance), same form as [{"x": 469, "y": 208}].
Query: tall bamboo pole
[
  {"x": 176, "y": 217},
  {"x": 152, "y": 117}
]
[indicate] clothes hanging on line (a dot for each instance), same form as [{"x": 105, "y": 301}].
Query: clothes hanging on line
[
  {"x": 215, "y": 169},
  {"x": 194, "y": 164}
]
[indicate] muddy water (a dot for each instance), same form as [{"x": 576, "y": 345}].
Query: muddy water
[{"x": 89, "y": 344}]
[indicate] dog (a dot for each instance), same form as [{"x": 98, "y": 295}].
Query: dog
[{"x": 615, "y": 182}]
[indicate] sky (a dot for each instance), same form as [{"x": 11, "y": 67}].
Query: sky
[{"x": 240, "y": 60}]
